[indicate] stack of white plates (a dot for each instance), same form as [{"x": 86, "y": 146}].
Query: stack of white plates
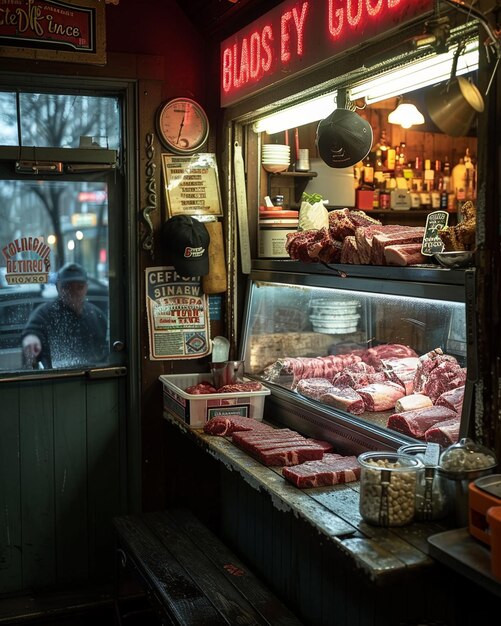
[
  {"x": 334, "y": 317},
  {"x": 275, "y": 157}
]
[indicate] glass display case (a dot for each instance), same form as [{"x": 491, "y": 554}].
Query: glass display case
[{"x": 369, "y": 357}]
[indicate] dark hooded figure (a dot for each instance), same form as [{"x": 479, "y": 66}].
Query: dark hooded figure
[{"x": 68, "y": 332}]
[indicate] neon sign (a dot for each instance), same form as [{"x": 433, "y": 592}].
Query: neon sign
[{"x": 296, "y": 35}]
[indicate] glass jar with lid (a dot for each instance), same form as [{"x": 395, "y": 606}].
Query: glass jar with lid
[
  {"x": 460, "y": 464},
  {"x": 431, "y": 497},
  {"x": 387, "y": 487}
]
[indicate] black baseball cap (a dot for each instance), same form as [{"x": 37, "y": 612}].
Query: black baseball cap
[
  {"x": 72, "y": 272},
  {"x": 343, "y": 138},
  {"x": 186, "y": 242}
]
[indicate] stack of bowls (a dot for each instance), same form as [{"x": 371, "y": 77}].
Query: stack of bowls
[
  {"x": 276, "y": 157},
  {"x": 334, "y": 317}
]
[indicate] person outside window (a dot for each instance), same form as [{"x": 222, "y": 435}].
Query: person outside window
[{"x": 69, "y": 331}]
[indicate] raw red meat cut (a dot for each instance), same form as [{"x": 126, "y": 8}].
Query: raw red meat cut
[
  {"x": 381, "y": 396},
  {"x": 200, "y": 388},
  {"x": 241, "y": 387},
  {"x": 404, "y": 254},
  {"x": 427, "y": 363},
  {"x": 344, "y": 398},
  {"x": 313, "y": 387},
  {"x": 228, "y": 424},
  {"x": 416, "y": 423},
  {"x": 452, "y": 399},
  {"x": 332, "y": 469},
  {"x": 445, "y": 433},
  {"x": 349, "y": 252},
  {"x": 364, "y": 236},
  {"x": 289, "y": 456},
  {"x": 413, "y": 234}
]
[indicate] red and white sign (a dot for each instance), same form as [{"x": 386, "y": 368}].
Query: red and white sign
[
  {"x": 27, "y": 260},
  {"x": 296, "y": 35}
]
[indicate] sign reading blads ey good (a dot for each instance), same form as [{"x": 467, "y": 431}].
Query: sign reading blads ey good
[{"x": 296, "y": 35}]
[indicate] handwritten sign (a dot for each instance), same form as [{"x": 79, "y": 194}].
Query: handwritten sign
[
  {"x": 178, "y": 315},
  {"x": 191, "y": 184},
  {"x": 431, "y": 240},
  {"x": 53, "y": 30}
]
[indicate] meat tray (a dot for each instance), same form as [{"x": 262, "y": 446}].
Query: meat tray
[{"x": 196, "y": 410}]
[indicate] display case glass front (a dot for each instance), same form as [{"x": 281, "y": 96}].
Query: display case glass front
[{"x": 389, "y": 354}]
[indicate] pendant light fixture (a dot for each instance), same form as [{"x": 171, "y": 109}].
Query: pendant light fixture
[{"x": 406, "y": 114}]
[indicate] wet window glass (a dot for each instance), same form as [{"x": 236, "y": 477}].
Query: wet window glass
[
  {"x": 53, "y": 274},
  {"x": 54, "y": 238}
]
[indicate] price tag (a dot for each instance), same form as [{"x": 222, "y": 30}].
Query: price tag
[{"x": 431, "y": 241}]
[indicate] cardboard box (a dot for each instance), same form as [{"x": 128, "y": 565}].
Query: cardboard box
[{"x": 196, "y": 410}]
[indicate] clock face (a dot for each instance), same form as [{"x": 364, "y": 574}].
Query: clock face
[{"x": 182, "y": 125}]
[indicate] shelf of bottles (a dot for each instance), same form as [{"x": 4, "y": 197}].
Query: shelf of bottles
[{"x": 424, "y": 184}]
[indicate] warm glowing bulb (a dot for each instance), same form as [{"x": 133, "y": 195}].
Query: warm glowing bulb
[
  {"x": 79, "y": 235},
  {"x": 407, "y": 115},
  {"x": 51, "y": 240},
  {"x": 70, "y": 245}
]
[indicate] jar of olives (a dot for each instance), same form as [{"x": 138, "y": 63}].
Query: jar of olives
[{"x": 388, "y": 487}]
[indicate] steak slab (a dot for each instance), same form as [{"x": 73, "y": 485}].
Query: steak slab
[
  {"x": 331, "y": 470},
  {"x": 416, "y": 423}
]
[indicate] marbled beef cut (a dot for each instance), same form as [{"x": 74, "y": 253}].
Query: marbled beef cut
[
  {"x": 413, "y": 234},
  {"x": 228, "y": 424},
  {"x": 404, "y": 254},
  {"x": 452, "y": 399},
  {"x": 289, "y": 456},
  {"x": 332, "y": 469},
  {"x": 381, "y": 396},
  {"x": 200, "y": 389},
  {"x": 416, "y": 423},
  {"x": 344, "y": 398},
  {"x": 445, "y": 433}
]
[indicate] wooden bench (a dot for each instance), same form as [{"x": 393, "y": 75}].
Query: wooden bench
[{"x": 190, "y": 576}]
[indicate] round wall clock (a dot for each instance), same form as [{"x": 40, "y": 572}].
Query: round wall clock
[{"x": 182, "y": 125}]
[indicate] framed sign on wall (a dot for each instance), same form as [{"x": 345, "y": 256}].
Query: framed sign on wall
[
  {"x": 52, "y": 30},
  {"x": 191, "y": 184}
]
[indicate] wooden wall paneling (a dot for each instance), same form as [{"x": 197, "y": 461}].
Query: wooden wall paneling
[
  {"x": 10, "y": 492},
  {"x": 70, "y": 479},
  {"x": 37, "y": 481},
  {"x": 105, "y": 473},
  {"x": 150, "y": 96}
]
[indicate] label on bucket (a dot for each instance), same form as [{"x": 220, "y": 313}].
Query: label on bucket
[{"x": 235, "y": 410}]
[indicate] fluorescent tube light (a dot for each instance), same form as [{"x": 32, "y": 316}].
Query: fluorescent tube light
[
  {"x": 297, "y": 115},
  {"x": 418, "y": 75}
]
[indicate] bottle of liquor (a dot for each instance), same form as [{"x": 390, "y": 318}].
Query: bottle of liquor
[
  {"x": 391, "y": 159},
  {"x": 446, "y": 171},
  {"x": 417, "y": 178},
  {"x": 425, "y": 198},
  {"x": 368, "y": 172},
  {"x": 442, "y": 189},
  {"x": 378, "y": 167}
]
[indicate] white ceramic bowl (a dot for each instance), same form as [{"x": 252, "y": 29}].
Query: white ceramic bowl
[{"x": 275, "y": 167}]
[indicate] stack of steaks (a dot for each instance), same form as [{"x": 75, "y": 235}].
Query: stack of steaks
[
  {"x": 353, "y": 237},
  {"x": 306, "y": 462}
]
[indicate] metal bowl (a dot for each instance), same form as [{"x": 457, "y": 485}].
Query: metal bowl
[{"x": 457, "y": 259}]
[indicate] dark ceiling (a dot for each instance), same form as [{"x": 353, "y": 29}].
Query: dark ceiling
[{"x": 221, "y": 18}]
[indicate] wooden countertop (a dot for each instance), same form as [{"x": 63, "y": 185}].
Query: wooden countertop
[{"x": 380, "y": 553}]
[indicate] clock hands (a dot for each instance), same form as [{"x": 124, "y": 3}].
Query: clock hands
[{"x": 181, "y": 127}]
